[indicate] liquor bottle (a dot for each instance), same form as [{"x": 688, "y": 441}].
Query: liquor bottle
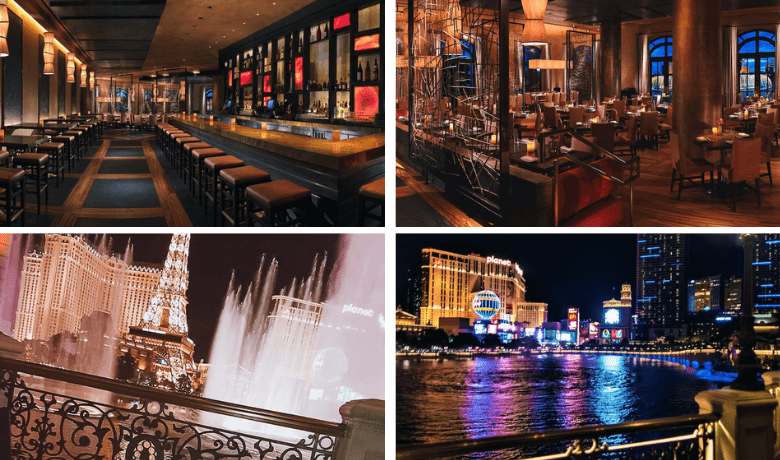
[
  {"x": 326, "y": 30},
  {"x": 359, "y": 76},
  {"x": 367, "y": 75},
  {"x": 376, "y": 70},
  {"x": 319, "y": 33},
  {"x": 325, "y": 86},
  {"x": 300, "y": 44}
]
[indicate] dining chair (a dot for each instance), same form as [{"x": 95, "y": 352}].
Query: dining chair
[
  {"x": 620, "y": 107},
  {"x": 688, "y": 169},
  {"x": 551, "y": 119},
  {"x": 529, "y": 101},
  {"x": 745, "y": 158},
  {"x": 604, "y": 135},
  {"x": 576, "y": 115},
  {"x": 629, "y": 140},
  {"x": 649, "y": 129},
  {"x": 666, "y": 127},
  {"x": 765, "y": 133}
]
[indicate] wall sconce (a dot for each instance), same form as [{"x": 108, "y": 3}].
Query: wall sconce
[
  {"x": 83, "y": 77},
  {"x": 3, "y": 28},
  {"x": 48, "y": 53},
  {"x": 71, "y": 68}
]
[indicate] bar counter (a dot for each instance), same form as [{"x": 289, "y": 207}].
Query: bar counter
[{"x": 332, "y": 170}]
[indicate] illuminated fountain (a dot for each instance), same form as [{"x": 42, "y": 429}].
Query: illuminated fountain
[{"x": 317, "y": 346}]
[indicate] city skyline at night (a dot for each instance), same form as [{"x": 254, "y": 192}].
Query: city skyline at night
[{"x": 569, "y": 271}]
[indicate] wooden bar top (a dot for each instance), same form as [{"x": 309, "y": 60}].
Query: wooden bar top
[{"x": 335, "y": 155}]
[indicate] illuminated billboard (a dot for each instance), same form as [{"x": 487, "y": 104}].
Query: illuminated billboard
[
  {"x": 567, "y": 336},
  {"x": 574, "y": 318},
  {"x": 612, "y": 316},
  {"x": 605, "y": 334}
]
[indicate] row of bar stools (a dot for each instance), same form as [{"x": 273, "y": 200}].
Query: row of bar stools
[
  {"x": 168, "y": 140},
  {"x": 85, "y": 134},
  {"x": 12, "y": 194},
  {"x": 56, "y": 153},
  {"x": 234, "y": 184},
  {"x": 179, "y": 161},
  {"x": 197, "y": 169},
  {"x": 172, "y": 145},
  {"x": 35, "y": 166},
  {"x": 211, "y": 179},
  {"x": 79, "y": 142},
  {"x": 187, "y": 159},
  {"x": 70, "y": 145},
  {"x": 370, "y": 197}
]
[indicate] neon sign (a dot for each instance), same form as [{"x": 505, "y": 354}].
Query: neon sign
[
  {"x": 498, "y": 261},
  {"x": 612, "y": 316}
]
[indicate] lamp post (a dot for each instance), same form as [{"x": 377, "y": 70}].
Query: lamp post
[{"x": 748, "y": 368}]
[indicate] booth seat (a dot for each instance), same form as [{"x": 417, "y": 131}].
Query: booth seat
[{"x": 586, "y": 199}]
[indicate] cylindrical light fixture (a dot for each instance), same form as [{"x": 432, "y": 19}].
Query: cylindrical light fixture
[
  {"x": 92, "y": 80},
  {"x": 48, "y": 53},
  {"x": 3, "y": 28},
  {"x": 71, "y": 68},
  {"x": 181, "y": 91},
  {"x": 552, "y": 64},
  {"x": 534, "y": 32},
  {"x": 83, "y": 76}
]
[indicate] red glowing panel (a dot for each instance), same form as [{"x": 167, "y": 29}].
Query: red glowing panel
[
  {"x": 369, "y": 42},
  {"x": 230, "y": 78},
  {"x": 366, "y": 100},
  {"x": 265, "y": 101},
  {"x": 341, "y": 21},
  {"x": 246, "y": 78},
  {"x": 299, "y": 73},
  {"x": 267, "y": 84}
]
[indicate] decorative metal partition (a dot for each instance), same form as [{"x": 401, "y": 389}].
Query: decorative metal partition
[
  {"x": 581, "y": 62},
  {"x": 457, "y": 86},
  {"x": 114, "y": 94},
  {"x": 171, "y": 91}
]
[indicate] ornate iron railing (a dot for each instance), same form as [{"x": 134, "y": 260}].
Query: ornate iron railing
[
  {"x": 48, "y": 425},
  {"x": 589, "y": 442}
]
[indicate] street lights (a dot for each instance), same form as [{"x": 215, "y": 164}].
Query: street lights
[{"x": 748, "y": 369}]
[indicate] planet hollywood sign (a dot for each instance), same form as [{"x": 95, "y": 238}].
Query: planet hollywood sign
[
  {"x": 357, "y": 311},
  {"x": 505, "y": 263}
]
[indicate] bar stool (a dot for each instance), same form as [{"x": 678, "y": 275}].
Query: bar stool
[
  {"x": 12, "y": 186},
  {"x": 79, "y": 142},
  {"x": 56, "y": 152},
  {"x": 172, "y": 143},
  {"x": 186, "y": 157},
  {"x": 5, "y": 158},
  {"x": 234, "y": 184},
  {"x": 165, "y": 138},
  {"x": 370, "y": 197},
  {"x": 274, "y": 197},
  {"x": 178, "y": 152},
  {"x": 86, "y": 133},
  {"x": 35, "y": 166},
  {"x": 211, "y": 183},
  {"x": 70, "y": 143},
  {"x": 196, "y": 168}
]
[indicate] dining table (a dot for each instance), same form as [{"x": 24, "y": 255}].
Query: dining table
[
  {"x": 722, "y": 143},
  {"x": 21, "y": 143}
]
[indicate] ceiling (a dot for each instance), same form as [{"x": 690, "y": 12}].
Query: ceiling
[
  {"x": 597, "y": 11},
  {"x": 141, "y": 36}
]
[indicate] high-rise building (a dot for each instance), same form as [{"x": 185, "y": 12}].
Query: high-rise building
[
  {"x": 707, "y": 294},
  {"x": 69, "y": 280},
  {"x": 661, "y": 285},
  {"x": 413, "y": 293},
  {"x": 450, "y": 281},
  {"x": 732, "y": 290},
  {"x": 616, "y": 317},
  {"x": 766, "y": 272}
]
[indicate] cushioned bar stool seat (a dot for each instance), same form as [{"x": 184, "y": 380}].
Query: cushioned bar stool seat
[
  {"x": 371, "y": 197},
  {"x": 12, "y": 195},
  {"x": 5, "y": 158},
  {"x": 186, "y": 157},
  {"x": 178, "y": 153},
  {"x": 279, "y": 196},
  {"x": 56, "y": 152},
  {"x": 234, "y": 184},
  {"x": 196, "y": 172},
  {"x": 35, "y": 166},
  {"x": 70, "y": 143},
  {"x": 212, "y": 167}
]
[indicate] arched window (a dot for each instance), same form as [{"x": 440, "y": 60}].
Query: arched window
[
  {"x": 756, "y": 55},
  {"x": 533, "y": 77},
  {"x": 661, "y": 66},
  {"x": 459, "y": 70}
]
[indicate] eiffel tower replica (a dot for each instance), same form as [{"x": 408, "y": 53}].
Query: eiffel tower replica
[{"x": 160, "y": 343}]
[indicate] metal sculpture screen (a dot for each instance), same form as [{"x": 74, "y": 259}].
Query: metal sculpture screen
[
  {"x": 453, "y": 61},
  {"x": 581, "y": 64}
]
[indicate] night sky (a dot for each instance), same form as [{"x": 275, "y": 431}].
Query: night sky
[
  {"x": 568, "y": 270},
  {"x": 213, "y": 257}
]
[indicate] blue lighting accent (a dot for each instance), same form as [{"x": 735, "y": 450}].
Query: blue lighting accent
[
  {"x": 769, "y": 295},
  {"x": 765, "y": 305},
  {"x": 674, "y": 265},
  {"x": 667, "y": 281},
  {"x": 649, "y": 255},
  {"x": 762, "y": 263},
  {"x": 767, "y": 285},
  {"x": 654, "y": 247},
  {"x": 649, "y": 282},
  {"x": 641, "y": 241},
  {"x": 773, "y": 242}
]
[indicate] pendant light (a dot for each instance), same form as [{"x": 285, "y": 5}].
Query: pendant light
[
  {"x": 48, "y": 53},
  {"x": 71, "y": 68},
  {"x": 3, "y": 28},
  {"x": 92, "y": 80},
  {"x": 534, "y": 32},
  {"x": 83, "y": 76}
]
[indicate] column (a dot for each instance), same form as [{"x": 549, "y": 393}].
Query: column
[
  {"x": 609, "y": 61},
  {"x": 697, "y": 63},
  {"x": 365, "y": 437},
  {"x": 730, "y": 64},
  {"x": 745, "y": 430},
  {"x": 643, "y": 64}
]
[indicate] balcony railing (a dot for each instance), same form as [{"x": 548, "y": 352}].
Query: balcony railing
[
  {"x": 590, "y": 443},
  {"x": 157, "y": 425}
]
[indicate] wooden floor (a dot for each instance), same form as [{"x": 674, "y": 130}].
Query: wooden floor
[{"x": 656, "y": 206}]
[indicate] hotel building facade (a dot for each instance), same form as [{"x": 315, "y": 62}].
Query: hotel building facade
[
  {"x": 70, "y": 279},
  {"x": 450, "y": 281}
]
